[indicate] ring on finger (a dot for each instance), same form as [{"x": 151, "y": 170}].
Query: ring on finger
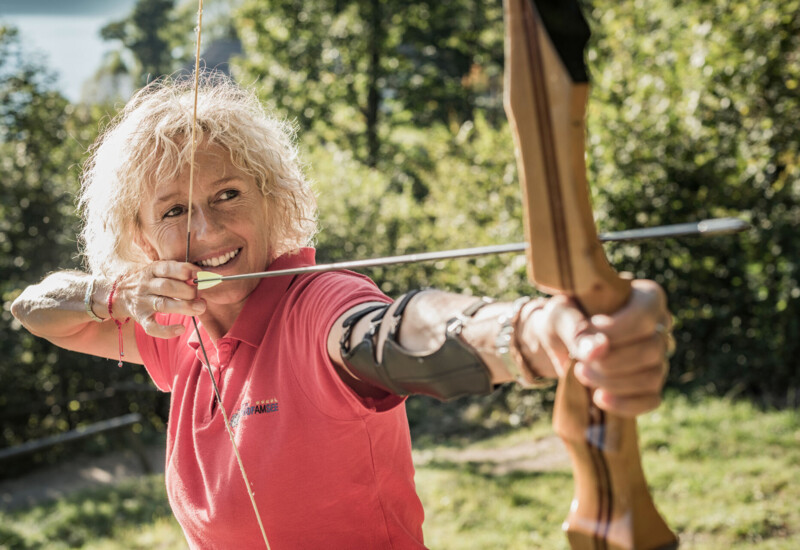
[{"x": 669, "y": 339}]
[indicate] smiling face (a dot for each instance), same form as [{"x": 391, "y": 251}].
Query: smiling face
[{"x": 229, "y": 233}]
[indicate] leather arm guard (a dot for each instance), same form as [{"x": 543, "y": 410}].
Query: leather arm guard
[{"x": 452, "y": 371}]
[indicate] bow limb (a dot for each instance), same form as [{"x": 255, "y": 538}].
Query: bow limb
[{"x": 546, "y": 92}]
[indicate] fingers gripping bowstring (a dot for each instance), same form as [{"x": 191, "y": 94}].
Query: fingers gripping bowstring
[{"x": 207, "y": 363}]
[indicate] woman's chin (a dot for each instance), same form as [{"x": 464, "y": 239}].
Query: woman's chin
[{"x": 229, "y": 292}]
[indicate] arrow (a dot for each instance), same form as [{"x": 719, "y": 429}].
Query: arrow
[{"x": 705, "y": 228}]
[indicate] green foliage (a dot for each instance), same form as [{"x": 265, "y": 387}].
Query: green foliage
[
  {"x": 351, "y": 72},
  {"x": 471, "y": 200},
  {"x": 35, "y": 203},
  {"x": 35, "y": 206},
  {"x": 42, "y": 143},
  {"x": 148, "y": 34},
  {"x": 158, "y": 38},
  {"x": 90, "y": 518},
  {"x": 693, "y": 116}
]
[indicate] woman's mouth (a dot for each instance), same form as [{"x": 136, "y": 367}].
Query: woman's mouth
[{"x": 221, "y": 260}]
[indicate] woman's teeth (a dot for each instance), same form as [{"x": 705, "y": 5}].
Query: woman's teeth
[{"x": 219, "y": 260}]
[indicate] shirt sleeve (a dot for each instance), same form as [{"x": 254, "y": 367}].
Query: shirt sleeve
[
  {"x": 318, "y": 301},
  {"x": 158, "y": 354}
]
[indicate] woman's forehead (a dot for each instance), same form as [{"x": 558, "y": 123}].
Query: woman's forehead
[
  {"x": 213, "y": 168},
  {"x": 211, "y": 163}
]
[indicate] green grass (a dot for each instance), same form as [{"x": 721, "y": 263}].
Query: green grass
[
  {"x": 723, "y": 474},
  {"x": 133, "y": 515}
]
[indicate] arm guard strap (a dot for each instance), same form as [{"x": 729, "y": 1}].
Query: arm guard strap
[{"x": 452, "y": 371}]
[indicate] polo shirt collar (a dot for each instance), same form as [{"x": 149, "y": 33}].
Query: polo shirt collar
[{"x": 251, "y": 324}]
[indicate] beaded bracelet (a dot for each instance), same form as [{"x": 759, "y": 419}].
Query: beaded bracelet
[{"x": 119, "y": 323}]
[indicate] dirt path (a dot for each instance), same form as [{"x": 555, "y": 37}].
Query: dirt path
[{"x": 541, "y": 455}]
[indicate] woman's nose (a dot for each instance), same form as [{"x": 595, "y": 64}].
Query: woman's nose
[{"x": 205, "y": 224}]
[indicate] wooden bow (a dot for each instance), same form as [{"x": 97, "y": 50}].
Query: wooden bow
[{"x": 546, "y": 90}]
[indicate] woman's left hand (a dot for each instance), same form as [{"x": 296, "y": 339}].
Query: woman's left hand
[{"x": 623, "y": 356}]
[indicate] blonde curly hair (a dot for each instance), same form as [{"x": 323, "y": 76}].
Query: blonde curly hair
[{"x": 150, "y": 141}]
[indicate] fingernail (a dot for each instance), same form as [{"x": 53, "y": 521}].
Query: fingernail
[
  {"x": 199, "y": 307},
  {"x": 600, "y": 320},
  {"x": 586, "y": 345}
]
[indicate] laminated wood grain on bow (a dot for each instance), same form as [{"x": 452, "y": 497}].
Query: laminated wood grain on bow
[{"x": 546, "y": 92}]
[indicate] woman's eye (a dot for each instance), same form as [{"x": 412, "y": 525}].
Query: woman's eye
[
  {"x": 173, "y": 212},
  {"x": 228, "y": 194}
]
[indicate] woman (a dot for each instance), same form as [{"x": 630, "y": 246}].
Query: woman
[{"x": 311, "y": 369}]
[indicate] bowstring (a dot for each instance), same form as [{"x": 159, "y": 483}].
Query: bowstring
[{"x": 206, "y": 362}]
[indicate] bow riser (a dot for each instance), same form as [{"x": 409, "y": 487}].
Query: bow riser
[{"x": 545, "y": 101}]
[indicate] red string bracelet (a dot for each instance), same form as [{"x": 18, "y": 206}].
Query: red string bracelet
[{"x": 119, "y": 323}]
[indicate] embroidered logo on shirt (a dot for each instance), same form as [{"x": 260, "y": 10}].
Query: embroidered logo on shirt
[{"x": 248, "y": 409}]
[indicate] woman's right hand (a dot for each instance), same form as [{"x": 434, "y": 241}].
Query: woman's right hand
[
  {"x": 163, "y": 286},
  {"x": 55, "y": 308}
]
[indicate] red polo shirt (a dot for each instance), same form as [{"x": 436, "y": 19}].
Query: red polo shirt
[{"x": 328, "y": 469}]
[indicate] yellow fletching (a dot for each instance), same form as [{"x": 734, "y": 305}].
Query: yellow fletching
[{"x": 207, "y": 279}]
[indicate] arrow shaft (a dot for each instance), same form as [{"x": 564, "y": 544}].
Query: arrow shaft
[{"x": 705, "y": 228}]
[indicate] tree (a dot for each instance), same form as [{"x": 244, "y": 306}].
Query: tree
[
  {"x": 694, "y": 115},
  {"x": 35, "y": 204},
  {"x": 355, "y": 71},
  {"x": 43, "y": 140},
  {"x": 146, "y": 33}
]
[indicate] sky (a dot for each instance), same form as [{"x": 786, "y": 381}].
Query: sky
[{"x": 67, "y": 32}]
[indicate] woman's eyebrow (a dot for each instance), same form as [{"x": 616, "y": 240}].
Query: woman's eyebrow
[
  {"x": 167, "y": 197},
  {"x": 226, "y": 179},
  {"x": 172, "y": 195}
]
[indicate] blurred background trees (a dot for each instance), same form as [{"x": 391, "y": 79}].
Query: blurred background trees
[
  {"x": 693, "y": 114},
  {"x": 43, "y": 141}
]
